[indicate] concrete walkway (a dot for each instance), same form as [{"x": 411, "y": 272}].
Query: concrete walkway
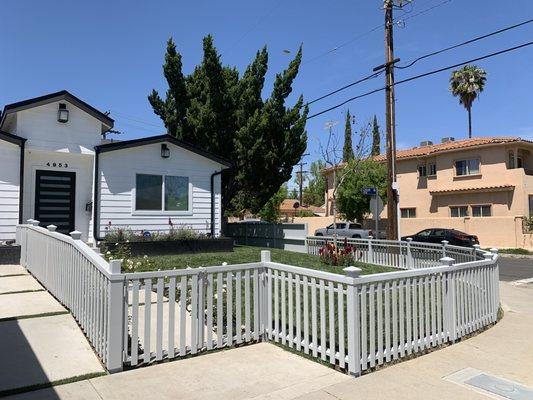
[
  {"x": 265, "y": 371},
  {"x": 39, "y": 340}
]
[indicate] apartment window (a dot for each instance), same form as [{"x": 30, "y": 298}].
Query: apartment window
[
  {"x": 531, "y": 205},
  {"x": 161, "y": 193},
  {"x": 459, "y": 211},
  {"x": 519, "y": 161},
  {"x": 467, "y": 167},
  {"x": 481, "y": 211},
  {"x": 408, "y": 212},
  {"x": 432, "y": 169},
  {"x": 422, "y": 170}
]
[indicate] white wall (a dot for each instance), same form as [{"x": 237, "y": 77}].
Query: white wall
[
  {"x": 9, "y": 189},
  {"x": 81, "y": 164},
  {"x": 40, "y": 126},
  {"x": 117, "y": 188}
]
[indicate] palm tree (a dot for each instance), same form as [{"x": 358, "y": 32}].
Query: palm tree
[{"x": 467, "y": 83}]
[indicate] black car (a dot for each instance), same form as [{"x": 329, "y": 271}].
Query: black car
[{"x": 437, "y": 235}]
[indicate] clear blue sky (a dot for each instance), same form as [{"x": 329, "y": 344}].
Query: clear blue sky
[{"x": 109, "y": 53}]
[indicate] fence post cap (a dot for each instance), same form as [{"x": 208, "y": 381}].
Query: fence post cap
[
  {"x": 444, "y": 242},
  {"x": 265, "y": 256},
  {"x": 476, "y": 246},
  {"x": 447, "y": 261},
  {"x": 409, "y": 239},
  {"x": 488, "y": 256},
  {"x": 115, "y": 266},
  {"x": 30, "y": 221},
  {"x": 370, "y": 237},
  {"x": 494, "y": 250},
  {"x": 51, "y": 228},
  {"x": 34, "y": 222},
  {"x": 352, "y": 272},
  {"x": 76, "y": 235}
]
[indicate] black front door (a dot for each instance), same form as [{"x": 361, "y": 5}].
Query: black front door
[{"x": 54, "y": 199}]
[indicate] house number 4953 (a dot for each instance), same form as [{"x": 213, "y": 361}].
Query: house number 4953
[{"x": 59, "y": 165}]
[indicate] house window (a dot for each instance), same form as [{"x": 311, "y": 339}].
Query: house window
[
  {"x": 161, "y": 193},
  {"x": 459, "y": 211},
  {"x": 467, "y": 167},
  {"x": 422, "y": 171},
  {"x": 519, "y": 161},
  {"x": 481, "y": 211},
  {"x": 432, "y": 169},
  {"x": 531, "y": 205},
  {"x": 408, "y": 212}
]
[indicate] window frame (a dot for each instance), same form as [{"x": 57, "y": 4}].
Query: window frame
[
  {"x": 422, "y": 167},
  {"x": 460, "y": 206},
  {"x": 161, "y": 211},
  {"x": 408, "y": 212},
  {"x": 468, "y": 174},
  {"x": 429, "y": 165},
  {"x": 481, "y": 207}
]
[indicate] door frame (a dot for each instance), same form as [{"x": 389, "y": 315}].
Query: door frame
[{"x": 42, "y": 171}]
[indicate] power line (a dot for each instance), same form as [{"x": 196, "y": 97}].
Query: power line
[
  {"x": 422, "y": 76},
  {"x": 420, "y": 58},
  {"x": 366, "y": 33},
  {"x": 366, "y": 78},
  {"x": 464, "y": 43}
]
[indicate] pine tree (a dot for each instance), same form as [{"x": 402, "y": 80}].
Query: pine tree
[
  {"x": 225, "y": 113},
  {"x": 376, "y": 138},
  {"x": 347, "y": 150}
]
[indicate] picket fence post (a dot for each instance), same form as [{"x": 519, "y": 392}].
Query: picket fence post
[
  {"x": 370, "y": 250},
  {"x": 409, "y": 254},
  {"x": 115, "y": 319},
  {"x": 444, "y": 244},
  {"x": 449, "y": 305},
  {"x": 354, "y": 326},
  {"x": 263, "y": 295}
]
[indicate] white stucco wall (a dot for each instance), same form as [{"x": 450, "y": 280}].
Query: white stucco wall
[
  {"x": 118, "y": 170},
  {"x": 9, "y": 189},
  {"x": 40, "y": 126}
]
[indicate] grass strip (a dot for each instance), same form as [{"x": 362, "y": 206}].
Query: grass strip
[{"x": 45, "y": 385}]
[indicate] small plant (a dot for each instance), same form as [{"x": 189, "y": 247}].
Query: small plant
[
  {"x": 333, "y": 255},
  {"x": 122, "y": 251},
  {"x": 184, "y": 232},
  {"x": 528, "y": 224}
]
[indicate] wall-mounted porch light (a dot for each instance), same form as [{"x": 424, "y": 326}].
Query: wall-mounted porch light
[
  {"x": 62, "y": 113},
  {"x": 165, "y": 151}
]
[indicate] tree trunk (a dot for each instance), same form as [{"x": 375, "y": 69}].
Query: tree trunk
[{"x": 469, "y": 122}]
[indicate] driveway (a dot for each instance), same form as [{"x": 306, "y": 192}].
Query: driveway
[{"x": 513, "y": 269}]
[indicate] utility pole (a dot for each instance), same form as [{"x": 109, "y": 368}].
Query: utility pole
[
  {"x": 392, "y": 184},
  {"x": 301, "y": 179}
]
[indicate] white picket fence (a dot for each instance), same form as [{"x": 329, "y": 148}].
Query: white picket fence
[
  {"x": 355, "y": 322},
  {"x": 395, "y": 253}
]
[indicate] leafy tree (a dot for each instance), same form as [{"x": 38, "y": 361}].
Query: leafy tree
[
  {"x": 351, "y": 201},
  {"x": 316, "y": 187},
  {"x": 467, "y": 83},
  {"x": 270, "y": 211},
  {"x": 376, "y": 138},
  {"x": 347, "y": 150},
  {"x": 224, "y": 112},
  {"x": 293, "y": 194}
]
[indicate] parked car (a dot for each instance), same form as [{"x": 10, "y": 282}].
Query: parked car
[
  {"x": 437, "y": 235},
  {"x": 345, "y": 229}
]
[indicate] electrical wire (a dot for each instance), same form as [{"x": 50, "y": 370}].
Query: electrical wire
[
  {"x": 412, "y": 78},
  {"x": 464, "y": 43}
]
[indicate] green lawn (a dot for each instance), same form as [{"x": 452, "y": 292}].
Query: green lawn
[{"x": 245, "y": 254}]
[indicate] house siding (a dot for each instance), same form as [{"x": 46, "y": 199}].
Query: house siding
[
  {"x": 117, "y": 171},
  {"x": 9, "y": 189}
]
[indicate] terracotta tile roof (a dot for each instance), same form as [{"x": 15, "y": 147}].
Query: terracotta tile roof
[
  {"x": 454, "y": 145},
  {"x": 289, "y": 205},
  {"x": 493, "y": 188}
]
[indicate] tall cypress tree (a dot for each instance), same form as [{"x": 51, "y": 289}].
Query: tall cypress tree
[
  {"x": 219, "y": 110},
  {"x": 347, "y": 150},
  {"x": 376, "y": 137}
]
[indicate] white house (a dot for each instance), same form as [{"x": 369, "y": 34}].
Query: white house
[{"x": 56, "y": 168}]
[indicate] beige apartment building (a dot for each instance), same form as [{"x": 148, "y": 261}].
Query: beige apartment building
[{"x": 482, "y": 186}]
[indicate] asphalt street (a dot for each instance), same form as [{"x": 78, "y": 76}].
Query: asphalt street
[{"x": 513, "y": 269}]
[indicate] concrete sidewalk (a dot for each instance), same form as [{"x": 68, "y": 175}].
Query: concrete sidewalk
[
  {"x": 40, "y": 342},
  {"x": 265, "y": 371}
]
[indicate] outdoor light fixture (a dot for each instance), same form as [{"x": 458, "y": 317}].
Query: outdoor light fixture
[
  {"x": 165, "y": 151},
  {"x": 62, "y": 113}
]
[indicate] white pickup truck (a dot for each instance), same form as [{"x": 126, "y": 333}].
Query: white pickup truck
[{"x": 345, "y": 229}]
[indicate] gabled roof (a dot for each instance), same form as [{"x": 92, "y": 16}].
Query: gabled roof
[
  {"x": 451, "y": 146},
  {"x": 57, "y": 96},
  {"x": 9, "y": 137},
  {"x": 160, "y": 139}
]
